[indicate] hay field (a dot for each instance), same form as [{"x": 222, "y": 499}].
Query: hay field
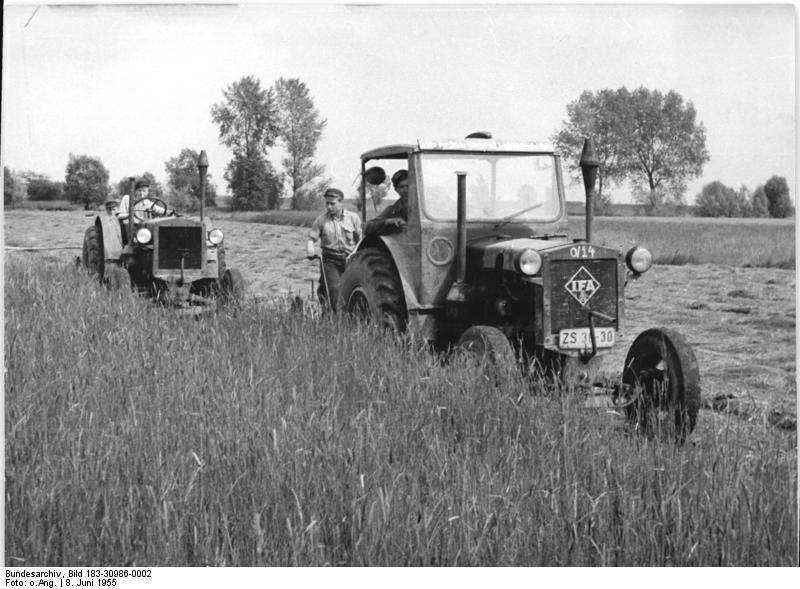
[{"x": 243, "y": 441}]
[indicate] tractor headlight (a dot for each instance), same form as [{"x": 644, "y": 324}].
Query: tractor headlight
[
  {"x": 215, "y": 236},
  {"x": 529, "y": 262},
  {"x": 144, "y": 235},
  {"x": 639, "y": 259}
]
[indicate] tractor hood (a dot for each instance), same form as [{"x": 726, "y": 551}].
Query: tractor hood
[
  {"x": 497, "y": 252},
  {"x": 501, "y": 253},
  {"x": 174, "y": 221}
]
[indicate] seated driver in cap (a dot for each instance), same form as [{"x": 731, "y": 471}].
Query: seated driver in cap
[
  {"x": 394, "y": 217},
  {"x": 144, "y": 209},
  {"x": 111, "y": 206},
  {"x": 338, "y": 232}
]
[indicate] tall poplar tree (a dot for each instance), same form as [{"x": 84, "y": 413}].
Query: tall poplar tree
[{"x": 300, "y": 128}]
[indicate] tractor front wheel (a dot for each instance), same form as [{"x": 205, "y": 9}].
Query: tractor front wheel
[
  {"x": 489, "y": 346},
  {"x": 117, "y": 278},
  {"x": 661, "y": 384},
  {"x": 232, "y": 286},
  {"x": 92, "y": 254},
  {"x": 370, "y": 289}
]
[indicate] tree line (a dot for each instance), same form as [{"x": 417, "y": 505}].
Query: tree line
[
  {"x": 86, "y": 183},
  {"x": 651, "y": 140},
  {"x": 655, "y": 143},
  {"x": 252, "y": 121}
]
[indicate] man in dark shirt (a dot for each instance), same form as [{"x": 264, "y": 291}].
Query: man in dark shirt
[{"x": 394, "y": 217}]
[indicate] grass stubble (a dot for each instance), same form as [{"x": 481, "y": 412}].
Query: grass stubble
[{"x": 138, "y": 437}]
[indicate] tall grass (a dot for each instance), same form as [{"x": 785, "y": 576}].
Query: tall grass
[{"x": 138, "y": 437}]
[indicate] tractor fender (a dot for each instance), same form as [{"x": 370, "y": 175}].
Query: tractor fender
[
  {"x": 112, "y": 236},
  {"x": 401, "y": 261}
]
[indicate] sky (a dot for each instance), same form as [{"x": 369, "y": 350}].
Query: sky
[{"x": 133, "y": 85}]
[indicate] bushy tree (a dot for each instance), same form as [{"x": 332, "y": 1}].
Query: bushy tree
[
  {"x": 248, "y": 125},
  {"x": 759, "y": 205},
  {"x": 651, "y": 139},
  {"x": 596, "y": 115},
  {"x": 41, "y": 188},
  {"x": 777, "y": 192},
  {"x": 718, "y": 200},
  {"x": 86, "y": 181},
  {"x": 746, "y": 200},
  {"x": 183, "y": 182},
  {"x": 254, "y": 184},
  {"x": 667, "y": 146},
  {"x": 13, "y": 188},
  {"x": 300, "y": 129}
]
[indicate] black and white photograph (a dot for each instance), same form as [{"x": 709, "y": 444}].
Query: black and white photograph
[{"x": 290, "y": 286}]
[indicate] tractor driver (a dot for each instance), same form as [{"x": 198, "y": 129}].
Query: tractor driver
[
  {"x": 338, "y": 232},
  {"x": 111, "y": 206},
  {"x": 144, "y": 209},
  {"x": 394, "y": 217}
]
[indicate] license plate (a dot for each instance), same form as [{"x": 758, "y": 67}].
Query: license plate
[{"x": 581, "y": 339}]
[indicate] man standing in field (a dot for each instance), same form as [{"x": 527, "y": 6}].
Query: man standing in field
[{"x": 338, "y": 232}]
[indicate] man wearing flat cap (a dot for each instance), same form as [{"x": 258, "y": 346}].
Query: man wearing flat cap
[
  {"x": 338, "y": 232},
  {"x": 394, "y": 217},
  {"x": 144, "y": 209},
  {"x": 111, "y": 206}
]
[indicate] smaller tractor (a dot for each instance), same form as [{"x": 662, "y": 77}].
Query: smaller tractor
[
  {"x": 484, "y": 262},
  {"x": 179, "y": 261}
]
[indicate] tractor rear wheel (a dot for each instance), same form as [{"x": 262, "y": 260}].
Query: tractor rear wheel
[
  {"x": 92, "y": 255},
  {"x": 371, "y": 289},
  {"x": 661, "y": 384}
]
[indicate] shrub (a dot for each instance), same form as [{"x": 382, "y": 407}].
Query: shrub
[
  {"x": 759, "y": 205},
  {"x": 718, "y": 200},
  {"x": 42, "y": 188},
  {"x": 86, "y": 181},
  {"x": 779, "y": 203},
  {"x": 13, "y": 188}
]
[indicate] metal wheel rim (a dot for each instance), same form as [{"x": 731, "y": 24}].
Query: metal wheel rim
[{"x": 651, "y": 411}]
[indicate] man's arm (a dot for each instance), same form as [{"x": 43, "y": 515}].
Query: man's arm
[
  {"x": 313, "y": 238},
  {"x": 357, "y": 228},
  {"x": 388, "y": 221},
  {"x": 122, "y": 213}
]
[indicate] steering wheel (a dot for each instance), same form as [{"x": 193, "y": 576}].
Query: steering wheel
[{"x": 155, "y": 201}]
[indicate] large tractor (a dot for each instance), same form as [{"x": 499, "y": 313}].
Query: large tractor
[
  {"x": 179, "y": 261},
  {"x": 485, "y": 263}
]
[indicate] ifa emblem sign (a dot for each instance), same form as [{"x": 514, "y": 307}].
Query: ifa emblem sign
[{"x": 582, "y": 286}]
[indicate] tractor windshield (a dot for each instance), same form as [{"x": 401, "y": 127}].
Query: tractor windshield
[{"x": 500, "y": 187}]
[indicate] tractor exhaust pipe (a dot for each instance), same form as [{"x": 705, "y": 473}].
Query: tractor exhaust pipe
[
  {"x": 461, "y": 228},
  {"x": 589, "y": 167},
  {"x": 202, "y": 168},
  {"x": 459, "y": 291}
]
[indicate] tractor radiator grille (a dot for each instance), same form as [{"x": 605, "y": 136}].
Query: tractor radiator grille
[
  {"x": 176, "y": 243},
  {"x": 578, "y": 286}
]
